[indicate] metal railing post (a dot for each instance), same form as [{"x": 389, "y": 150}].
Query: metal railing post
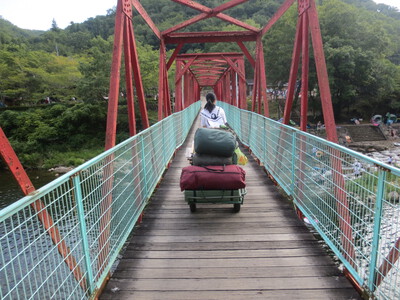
[
  {"x": 163, "y": 143},
  {"x": 82, "y": 226},
  {"x": 264, "y": 143},
  {"x": 249, "y": 131},
  {"x": 293, "y": 162},
  {"x": 377, "y": 226},
  {"x": 143, "y": 160}
]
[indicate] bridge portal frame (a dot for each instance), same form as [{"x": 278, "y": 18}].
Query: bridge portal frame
[{"x": 308, "y": 24}]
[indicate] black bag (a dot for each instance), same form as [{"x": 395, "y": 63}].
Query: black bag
[
  {"x": 213, "y": 160},
  {"x": 214, "y": 142}
]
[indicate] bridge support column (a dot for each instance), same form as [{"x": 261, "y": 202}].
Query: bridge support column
[
  {"x": 308, "y": 20},
  {"x": 234, "y": 100},
  {"x": 164, "y": 102},
  {"x": 242, "y": 87},
  {"x": 178, "y": 86},
  {"x": 263, "y": 79}
]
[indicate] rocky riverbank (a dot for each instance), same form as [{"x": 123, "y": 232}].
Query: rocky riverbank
[{"x": 384, "y": 150}]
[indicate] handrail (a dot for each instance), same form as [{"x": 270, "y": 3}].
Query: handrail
[
  {"x": 30, "y": 264},
  {"x": 351, "y": 200}
]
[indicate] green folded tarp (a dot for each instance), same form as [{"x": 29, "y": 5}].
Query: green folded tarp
[{"x": 214, "y": 142}]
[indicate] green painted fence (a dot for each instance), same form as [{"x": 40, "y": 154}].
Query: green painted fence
[
  {"x": 351, "y": 200},
  {"x": 94, "y": 207}
]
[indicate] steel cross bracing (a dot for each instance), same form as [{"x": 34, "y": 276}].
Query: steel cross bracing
[
  {"x": 124, "y": 35},
  {"x": 210, "y": 70}
]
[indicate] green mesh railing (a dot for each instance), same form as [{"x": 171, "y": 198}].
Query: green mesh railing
[
  {"x": 94, "y": 207},
  {"x": 351, "y": 200}
]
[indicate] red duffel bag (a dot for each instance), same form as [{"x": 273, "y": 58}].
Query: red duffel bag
[{"x": 229, "y": 177}]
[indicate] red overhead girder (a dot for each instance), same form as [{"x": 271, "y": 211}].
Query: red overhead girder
[
  {"x": 210, "y": 37},
  {"x": 173, "y": 56},
  {"x": 139, "y": 8},
  {"x": 208, "y": 13},
  {"x": 282, "y": 9},
  {"x": 124, "y": 39},
  {"x": 247, "y": 53}
]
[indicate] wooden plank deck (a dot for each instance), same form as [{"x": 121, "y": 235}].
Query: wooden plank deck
[{"x": 262, "y": 252}]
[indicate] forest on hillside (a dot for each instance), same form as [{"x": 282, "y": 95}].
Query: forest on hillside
[{"x": 71, "y": 67}]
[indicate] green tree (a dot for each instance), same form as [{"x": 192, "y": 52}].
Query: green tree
[
  {"x": 95, "y": 69},
  {"x": 28, "y": 76}
]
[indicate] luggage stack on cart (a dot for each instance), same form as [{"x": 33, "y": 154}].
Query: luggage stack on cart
[{"x": 214, "y": 176}]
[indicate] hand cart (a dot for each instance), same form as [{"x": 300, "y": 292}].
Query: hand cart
[{"x": 235, "y": 197}]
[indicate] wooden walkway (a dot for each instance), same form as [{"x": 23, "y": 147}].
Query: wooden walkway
[{"x": 262, "y": 252}]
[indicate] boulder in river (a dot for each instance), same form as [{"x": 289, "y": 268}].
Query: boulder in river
[{"x": 61, "y": 169}]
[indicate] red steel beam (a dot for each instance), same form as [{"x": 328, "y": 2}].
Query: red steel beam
[
  {"x": 210, "y": 37},
  {"x": 167, "y": 96},
  {"x": 173, "y": 56},
  {"x": 247, "y": 54},
  {"x": 211, "y": 55},
  {"x": 322, "y": 74},
  {"x": 146, "y": 17},
  {"x": 330, "y": 125},
  {"x": 304, "y": 73},
  {"x": 234, "y": 67},
  {"x": 184, "y": 24},
  {"x": 211, "y": 62},
  {"x": 161, "y": 82},
  {"x": 284, "y": 7},
  {"x": 205, "y": 9},
  {"x": 228, "y": 5},
  {"x": 263, "y": 80},
  {"x": 388, "y": 263},
  {"x": 208, "y": 13},
  {"x": 16, "y": 168},
  {"x": 186, "y": 67},
  {"x": 201, "y": 68},
  {"x": 186, "y": 89},
  {"x": 138, "y": 77},
  {"x": 208, "y": 72},
  {"x": 254, "y": 96},
  {"x": 194, "y": 5},
  {"x": 114, "y": 80},
  {"x": 293, "y": 72},
  {"x": 237, "y": 22},
  {"x": 105, "y": 205},
  {"x": 242, "y": 88},
  {"x": 128, "y": 80},
  {"x": 205, "y": 77},
  {"x": 178, "y": 87},
  {"x": 234, "y": 87}
]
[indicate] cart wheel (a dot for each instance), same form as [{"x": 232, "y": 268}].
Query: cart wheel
[
  {"x": 236, "y": 207},
  {"x": 192, "y": 207}
]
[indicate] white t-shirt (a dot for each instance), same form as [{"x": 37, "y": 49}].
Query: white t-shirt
[{"x": 214, "y": 119}]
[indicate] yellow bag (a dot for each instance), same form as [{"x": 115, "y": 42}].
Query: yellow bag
[{"x": 241, "y": 158}]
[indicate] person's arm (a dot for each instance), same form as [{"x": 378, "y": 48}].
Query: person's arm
[
  {"x": 223, "y": 116},
  {"x": 203, "y": 121}
]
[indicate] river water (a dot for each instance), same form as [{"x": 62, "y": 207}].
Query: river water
[{"x": 10, "y": 191}]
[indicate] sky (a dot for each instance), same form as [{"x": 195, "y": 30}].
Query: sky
[{"x": 39, "y": 14}]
